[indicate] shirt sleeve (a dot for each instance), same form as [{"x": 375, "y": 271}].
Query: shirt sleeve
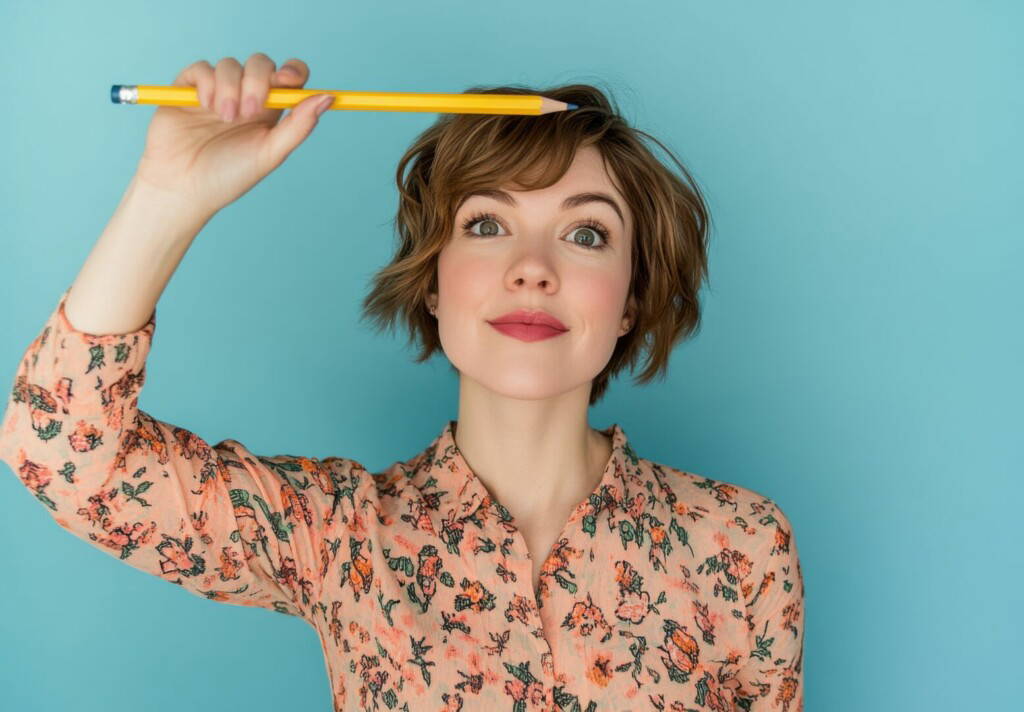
[
  {"x": 771, "y": 677},
  {"x": 219, "y": 521}
]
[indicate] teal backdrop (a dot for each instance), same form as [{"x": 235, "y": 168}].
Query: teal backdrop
[{"x": 859, "y": 363}]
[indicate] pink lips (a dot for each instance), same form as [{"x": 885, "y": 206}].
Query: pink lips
[
  {"x": 527, "y": 332},
  {"x": 529, "y": 325},
  {"x": 530, "y": 316}
]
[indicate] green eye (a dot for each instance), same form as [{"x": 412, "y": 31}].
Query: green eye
[{"x": 589, "y": 224}]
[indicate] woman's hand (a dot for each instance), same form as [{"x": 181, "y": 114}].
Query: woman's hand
[{"x": 213, "y": 154}]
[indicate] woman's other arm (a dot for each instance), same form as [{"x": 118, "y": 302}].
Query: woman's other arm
[
  {"x": 218, "y": 520},
  {"x": 771, "y": 678}
]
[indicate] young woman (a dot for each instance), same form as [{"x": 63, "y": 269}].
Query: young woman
[{"x": 523, "y": 560}]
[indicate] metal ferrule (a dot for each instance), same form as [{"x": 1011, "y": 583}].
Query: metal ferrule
[{"x": 124, "y": 94}]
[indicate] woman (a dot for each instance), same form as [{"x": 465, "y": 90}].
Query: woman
[{"x": 522, "y": 560}]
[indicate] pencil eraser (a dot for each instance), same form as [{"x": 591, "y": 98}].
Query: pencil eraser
[{"x": 115, "y": 93}]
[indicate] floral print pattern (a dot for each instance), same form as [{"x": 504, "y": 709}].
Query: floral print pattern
[{"x": 665, "y": 590}]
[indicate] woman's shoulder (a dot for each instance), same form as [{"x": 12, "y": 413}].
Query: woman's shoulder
[{"x": 737, "y": 511}]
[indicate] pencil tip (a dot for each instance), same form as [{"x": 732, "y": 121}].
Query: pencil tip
[{"x": 570, "y": 107}]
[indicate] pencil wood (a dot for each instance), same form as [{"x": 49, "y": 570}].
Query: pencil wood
[{"x": 278, "y": 98}]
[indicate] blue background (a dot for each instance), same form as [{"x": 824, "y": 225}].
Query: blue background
[{"x": 859, "y": 362}]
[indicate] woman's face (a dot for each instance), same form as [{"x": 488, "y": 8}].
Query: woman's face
[{"x": 533, "y": 255}]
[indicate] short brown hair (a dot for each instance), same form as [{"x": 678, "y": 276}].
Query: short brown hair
[{"x": 460, "y": 153}]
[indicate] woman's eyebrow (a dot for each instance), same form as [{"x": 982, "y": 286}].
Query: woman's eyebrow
[{"x": 573, "y": 201}]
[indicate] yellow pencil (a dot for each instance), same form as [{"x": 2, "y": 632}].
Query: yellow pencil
[{"x": 277, "y": 98}]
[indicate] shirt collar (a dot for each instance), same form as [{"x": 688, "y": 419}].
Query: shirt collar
[{"x": 451, "y": 493}]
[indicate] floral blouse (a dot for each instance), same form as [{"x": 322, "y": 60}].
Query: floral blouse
[{"x": 665, "y": 590}]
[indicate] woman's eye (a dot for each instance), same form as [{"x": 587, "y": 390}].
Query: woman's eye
[
  {"x": 492, "y": 226},
  {"x": 594, "y": 237}
]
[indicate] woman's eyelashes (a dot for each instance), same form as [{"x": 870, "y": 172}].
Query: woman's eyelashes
[{"x": 589, "y": 224}]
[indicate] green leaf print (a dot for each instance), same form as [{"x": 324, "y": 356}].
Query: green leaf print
[
  {"x": 95, "y": 358},
  {"x": 627, "y": 533},
  {"x": 51, "y": 431},
  {"x": 399, "y": 563},
  {"x": 274, "y": 518},
  {"x": 134, "y": 492},
  {"x": 67, "y": 472}
]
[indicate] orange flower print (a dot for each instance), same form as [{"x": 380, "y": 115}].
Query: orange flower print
[
  {"x": 62, "y": 390},
  {"x": 97, "y": 511},
  {"x": 791, "y": 618},
  {"x": 787, "y": 693},
  {"x": 681, "y": 651},
  {"x": 766, "y": 584},
  {"x": 519, "y": 609},
  {"x": 296, "y": 503},
  {"x": 84, "y": 437},
  {"x": 427, "y": 572},
  {"x": 726, "y": 494},
  {"x": 474, "y": 597},
  {"x": 599, "y": 671},
  {"x": 126, "y": 538},
  {"x": 249, "y": 529},
  {"x": 40, "y": 401},
  {"x": 704, "y": 623},
  {"x": 737, "y": 565},
  {"x": 633, "y": 606},
  {"x": 33, "y": 475},
  {"x": 524, "y": 687},
  {"x": 358, "y": 570},
  {"x": 713, "y": 695},
  {"x": 781, "y": 540},
  {"x": 230, "y": 564},
  {"x": 625, "y": 574},
  {"x": 177, "y": 557},
  {"x": 585, "y": 617},
  {"x": 322, "y": 477},
  {"x": 374, "y": 678}
]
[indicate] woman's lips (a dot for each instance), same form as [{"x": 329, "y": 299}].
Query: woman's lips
[{"x": 527, "y": 332}]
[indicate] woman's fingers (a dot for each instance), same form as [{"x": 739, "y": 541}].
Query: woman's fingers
[
  {"x": 255, "y": 84},
  {"x": 232, "y": 91},
  {"x": 228, "y": 80},
  {"x": 293, "y": 73},
  {"x": 199, "y": 74}
]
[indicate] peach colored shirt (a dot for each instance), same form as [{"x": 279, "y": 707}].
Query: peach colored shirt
[{"x": 666, "y": 590}]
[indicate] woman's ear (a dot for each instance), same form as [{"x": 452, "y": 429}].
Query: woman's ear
[
  {"x": 629, "y": 316},
  {"x": 432, "y": 303}
]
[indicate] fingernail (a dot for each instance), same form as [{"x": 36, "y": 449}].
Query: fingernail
[{"x": 324, "y": 104}]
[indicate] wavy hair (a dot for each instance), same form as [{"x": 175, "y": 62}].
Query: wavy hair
[{"x": 460, "y": 153}]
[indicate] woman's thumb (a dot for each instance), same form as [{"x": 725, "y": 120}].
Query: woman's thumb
[{"x": 296, "y": 126}]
